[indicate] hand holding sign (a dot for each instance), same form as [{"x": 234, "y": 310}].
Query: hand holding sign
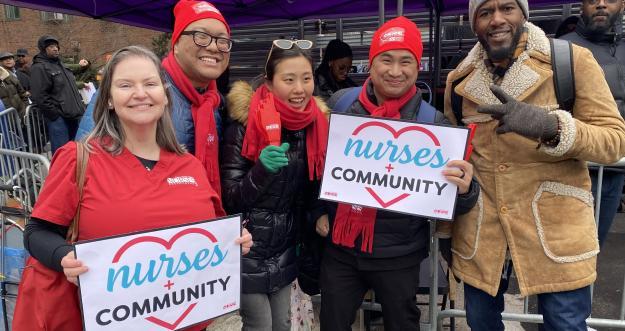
[
  {"x": 72, "y": 268},
  {"x": 459, "y": 172},
  {"x": 274, "y": 157},
  {"x": 245, "y": 240}
]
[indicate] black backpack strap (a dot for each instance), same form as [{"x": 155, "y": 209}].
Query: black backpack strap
[
  {"x": 456, "y": 102},
  {"x": 563, "y": 73}
]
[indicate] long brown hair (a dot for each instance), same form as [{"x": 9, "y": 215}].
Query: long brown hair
[{"x": 107, "y": 125}]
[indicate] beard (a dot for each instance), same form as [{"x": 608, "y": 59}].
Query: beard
[
  {"x": 600, "y": 28},
  {"x": 504, "y": 52}
]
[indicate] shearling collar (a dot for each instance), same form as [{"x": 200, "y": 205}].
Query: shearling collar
[
  {"x": 4, "y": 73},
  {"x": 520, "y": 79},
  {"x": 239, "y": 99}
]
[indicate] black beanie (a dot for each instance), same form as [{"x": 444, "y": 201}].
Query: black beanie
[
  {"x": 46, "y": 41},
  {"x": 336, "y": 49}
]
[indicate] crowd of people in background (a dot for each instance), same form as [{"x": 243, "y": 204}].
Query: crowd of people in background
[{"x": 524, "y": 201}]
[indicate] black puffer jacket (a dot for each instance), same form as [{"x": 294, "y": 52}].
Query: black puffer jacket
[
  {"x": 397, "y": 235},
  {"x": 274, "y": 204},
  {"x": 609, "y": 51},
  {"x": 53, "y": 87}
]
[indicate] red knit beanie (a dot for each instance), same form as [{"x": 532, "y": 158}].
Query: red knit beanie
[
  {"x": 189, "y": 11},
  {"x": 398, "y": 33}
]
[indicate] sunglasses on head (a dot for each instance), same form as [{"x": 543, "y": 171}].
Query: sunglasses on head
[{"x": 288, "y": 44}]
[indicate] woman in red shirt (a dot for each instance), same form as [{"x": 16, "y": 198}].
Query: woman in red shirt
[{"x": 133, "y": 160}]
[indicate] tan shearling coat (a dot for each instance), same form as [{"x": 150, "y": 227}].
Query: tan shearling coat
[{"x": 536, "y": 202}]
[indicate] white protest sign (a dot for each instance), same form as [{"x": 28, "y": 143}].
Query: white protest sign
[
  {"x": 392, "y": 165},
  {"x": 161, "y": 280}
]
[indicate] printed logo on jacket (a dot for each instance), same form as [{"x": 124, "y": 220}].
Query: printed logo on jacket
[
  {"x": 392, "y": 165},
  {"x": 161, "y": 280}
]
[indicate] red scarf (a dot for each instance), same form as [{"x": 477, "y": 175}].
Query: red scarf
[
  {"x": 202, "y": 108},
  {"x": 265, "y": 118},
  {"x": 352, "y": 221}
]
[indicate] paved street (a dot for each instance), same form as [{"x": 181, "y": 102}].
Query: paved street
[{"x": 607, "y": 295}]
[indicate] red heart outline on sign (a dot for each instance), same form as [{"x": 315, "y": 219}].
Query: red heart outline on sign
[
  {"x": 396, "y": 134},
  {"x": 167, "y": 244}
]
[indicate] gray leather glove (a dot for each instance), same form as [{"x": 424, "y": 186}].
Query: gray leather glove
[{"x": 519, "y": 117}]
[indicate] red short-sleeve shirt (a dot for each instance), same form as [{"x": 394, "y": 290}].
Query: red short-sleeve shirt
[{"x": 120, "y": 195}]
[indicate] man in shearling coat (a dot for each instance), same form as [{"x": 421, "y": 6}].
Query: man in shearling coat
[{"x": 535, "y": 212}]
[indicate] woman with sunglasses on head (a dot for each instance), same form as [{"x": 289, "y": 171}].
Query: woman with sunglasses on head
[
  {"x": 273, "y": 157},
  {"x": 132, "y": 154}
]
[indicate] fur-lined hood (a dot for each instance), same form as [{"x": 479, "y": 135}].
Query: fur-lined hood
[
  {"x": 4, "y": 73},
  {"x": 240, "y": 96}
]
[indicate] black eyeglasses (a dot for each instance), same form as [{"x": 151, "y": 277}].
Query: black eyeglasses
[
  {"x": 288, "y": 44},
  {"x": 204, "y": 39}
]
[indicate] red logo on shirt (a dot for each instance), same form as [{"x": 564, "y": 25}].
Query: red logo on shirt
[{"x": 181, "y": 180}]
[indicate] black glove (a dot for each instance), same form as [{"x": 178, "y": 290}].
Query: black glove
[{"x": 519, "y": 117}]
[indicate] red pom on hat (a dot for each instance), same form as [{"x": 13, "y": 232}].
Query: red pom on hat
[
  {"x": 398, "y": 33},
  {"x": 189, "y": 11}
]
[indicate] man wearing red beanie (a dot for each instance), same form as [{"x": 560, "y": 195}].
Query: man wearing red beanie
[
  {"x": 378, "y": 249},
  {"x": 200, "y": 53}
]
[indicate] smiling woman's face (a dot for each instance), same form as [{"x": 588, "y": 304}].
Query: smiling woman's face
[{"x": 137, "y": 93}]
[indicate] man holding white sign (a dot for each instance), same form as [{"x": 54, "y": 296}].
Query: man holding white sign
[{"x": 380, "y": 249}]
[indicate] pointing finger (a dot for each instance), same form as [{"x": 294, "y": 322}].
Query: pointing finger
[{"x": 500, "y": 94}]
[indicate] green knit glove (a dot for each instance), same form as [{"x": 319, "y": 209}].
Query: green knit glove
[{"x": 273, "y": 157}]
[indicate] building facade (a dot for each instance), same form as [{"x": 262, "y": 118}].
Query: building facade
[{"x": 79, "y": 37}]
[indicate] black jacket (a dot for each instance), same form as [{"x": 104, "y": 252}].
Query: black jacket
[
  {"x": 325, "y": 85},
  {"x": 24, "y": 77},
  {"x": 11, "y": 92},
  {"x": 395, "y": 235},
  {"x": 53, "y": 89},
  {"x": 274, "y": 204},
  {"x": 609, "y": 51}
]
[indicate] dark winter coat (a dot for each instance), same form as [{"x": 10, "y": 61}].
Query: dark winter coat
[
  {"x": 609, "y": 51},
  {"x": 24, "y": 77},
  {"x": 11, "y": 92},
  {"x": 395, "y": 235},
  {"x": 54, "y": 90},
  {"x": 326, "y": 85},
  {"x": 274, "y": 204}
]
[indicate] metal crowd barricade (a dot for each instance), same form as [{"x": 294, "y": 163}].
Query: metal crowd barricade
[
  {"x": 26, "y": 171},
  {"x": 36, "y": 131},
  {"x": 21, "y": 179},
  {"x": 436, "y": 316},
  {"x": 11, "y": 130}
]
